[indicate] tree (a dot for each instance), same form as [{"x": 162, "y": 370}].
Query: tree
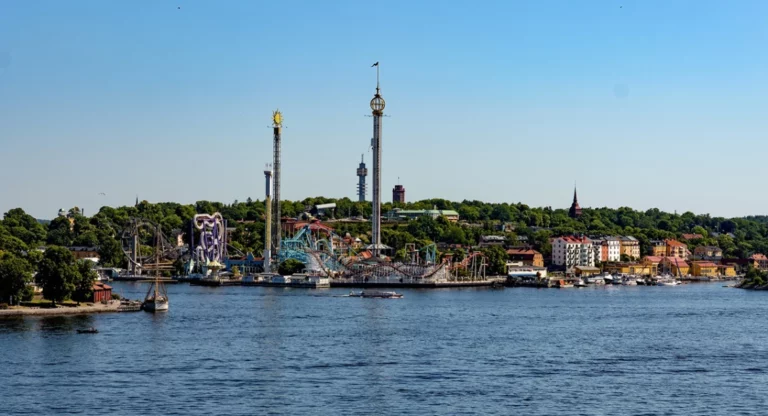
[
  {"x": 15, "y": 274},
  {"x": 58, "y": 274},
  {"x": 290, "y": 266},
  {"x": 59, "y": 232},
  {"x": 497, "y": 260},
  {"x": 110, "y": 252},
  {"x": 85, "y": 278}
]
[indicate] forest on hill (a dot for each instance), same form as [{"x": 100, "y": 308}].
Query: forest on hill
[{"x": 737, "y": 237}]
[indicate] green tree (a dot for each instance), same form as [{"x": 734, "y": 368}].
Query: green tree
[
  {"x": 110, "y": 252},
  {"x": 497, "y": 260},
  {"x": 289, "y": 267},
  {"x": 15, "y": 274},
  {"x": 85, "y": 278},
  {"x": 58, "y": 274},
  {"x": 59, "y": 232}
]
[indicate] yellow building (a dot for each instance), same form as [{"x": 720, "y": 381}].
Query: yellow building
[
  {"x": 704, "y": 269},
  {"x": 658, "y": 248},
  {"x": 653, "y": 262},
  {"x": 727, "y": 270},
  {"x": 630, "y": 247},
  {"x": 676, "y": 249},
  {"x": 674, "y": 266},
  {"x": 628, "y": 268}
]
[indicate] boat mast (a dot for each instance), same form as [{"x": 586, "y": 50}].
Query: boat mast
[{"x": 157, "y": 260}]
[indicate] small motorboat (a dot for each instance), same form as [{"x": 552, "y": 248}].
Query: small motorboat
[
  {"x": 88, "y": 331},
  {"x": 375, "y": 294}
]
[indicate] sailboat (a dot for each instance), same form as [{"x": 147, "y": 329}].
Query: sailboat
[{"x": 157, "y": 298}]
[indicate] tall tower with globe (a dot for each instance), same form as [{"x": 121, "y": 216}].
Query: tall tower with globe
[{"x": 377, "y": 106}]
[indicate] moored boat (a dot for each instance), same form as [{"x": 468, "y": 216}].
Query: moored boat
[
  {"x": 156, "y": 299},
  {"x": 375, "y": 294}
]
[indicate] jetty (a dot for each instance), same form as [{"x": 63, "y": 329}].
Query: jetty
[{"x": 111, "y": 306}]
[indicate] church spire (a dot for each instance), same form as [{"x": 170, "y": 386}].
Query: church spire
[{"x": 575, "y": 210}]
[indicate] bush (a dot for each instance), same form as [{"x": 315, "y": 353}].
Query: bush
[
  {"x": 3, "y": 306},
  {"x": 289, "y": 267},
  {"x": 115, "y": 296}
]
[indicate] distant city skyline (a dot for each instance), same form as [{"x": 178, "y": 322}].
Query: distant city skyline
[{"x": 645, "y": 104}]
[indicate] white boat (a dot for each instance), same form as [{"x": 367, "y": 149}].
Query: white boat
[
  {"x": 595, "y": 280},
  {"x": 157, "y": 301},
  {"x": 666, "y": 280},
  {"x": 579, "y": 283},
  {"x": 629, "y": 281}
]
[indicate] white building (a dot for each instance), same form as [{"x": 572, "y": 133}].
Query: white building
[
  {"x": 614, "y": 249},
  {"x": 571, "y": 251}
]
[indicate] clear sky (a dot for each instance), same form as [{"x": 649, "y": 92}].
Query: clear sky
[{"x": 642, "y": 103}]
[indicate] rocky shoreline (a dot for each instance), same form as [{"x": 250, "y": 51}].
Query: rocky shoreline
[{"x": 111, "y": 306}]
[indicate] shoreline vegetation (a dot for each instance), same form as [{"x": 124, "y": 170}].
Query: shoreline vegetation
[
  {"x": 754, "y": 280},
  {"x": 40, "y": 253}
]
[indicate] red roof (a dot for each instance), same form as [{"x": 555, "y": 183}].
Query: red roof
[
  {"x": 758, "y": 256},
  {"x": 654, "y": 259},
  {"x": 521, "y": 251},
  {"x": 101, "y": 286},
  {"x": 575, "y": 240},
  {"x": 674, "y": 243},
  {"x": 677, "y": 262},
  {"x": 692, "y": 236}
]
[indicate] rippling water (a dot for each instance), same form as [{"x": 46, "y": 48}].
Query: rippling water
[{"x": 694, "y": 350}]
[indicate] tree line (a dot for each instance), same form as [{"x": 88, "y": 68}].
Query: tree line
[{"x": 21, "y": 234}]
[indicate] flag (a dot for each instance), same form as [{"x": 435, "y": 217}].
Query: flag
[{"x": 376, "y": 64}]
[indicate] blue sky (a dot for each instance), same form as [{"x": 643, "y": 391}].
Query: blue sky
[{"x": 642, "y": 103}]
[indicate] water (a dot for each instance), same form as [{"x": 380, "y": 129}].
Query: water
[{"x": 693, "y": 350}]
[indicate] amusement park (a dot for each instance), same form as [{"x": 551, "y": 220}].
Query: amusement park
[{"x": 320, "y": 256}]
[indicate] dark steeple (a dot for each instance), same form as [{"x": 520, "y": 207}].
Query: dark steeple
[{"x": 575, "y": 210}]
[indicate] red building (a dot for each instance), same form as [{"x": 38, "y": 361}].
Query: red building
[
  {"x": 398, "y": 194},
  {"x": 101, "y": 292}
]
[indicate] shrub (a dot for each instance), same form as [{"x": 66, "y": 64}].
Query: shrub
[
  {"x": 115, "y": 296},
  {"x": 3, "y": 306}
]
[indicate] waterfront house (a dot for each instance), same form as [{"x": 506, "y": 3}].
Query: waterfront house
[
  {"x": 759, "y": 261},
  {"x": 704, "y": 269},
  {"x": 708, "y": 253},
  {"x": 727, "y": 270},
  {"x": 658, "y": 248},
  {"x": 630, "y": 247},
  {"x": 653, "y": 262},
  {"x": 676, "y": 249},
  {"x": 639, "y": 269},
  {"x": 674, "y": 266},
  {"x": 607, "y": 249},
  {"x": 101, "y": 292},
  {"x": 583, "y": 271},
  {"x": 527, "y": 256},
  {"x": 571, "y": 251}
]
